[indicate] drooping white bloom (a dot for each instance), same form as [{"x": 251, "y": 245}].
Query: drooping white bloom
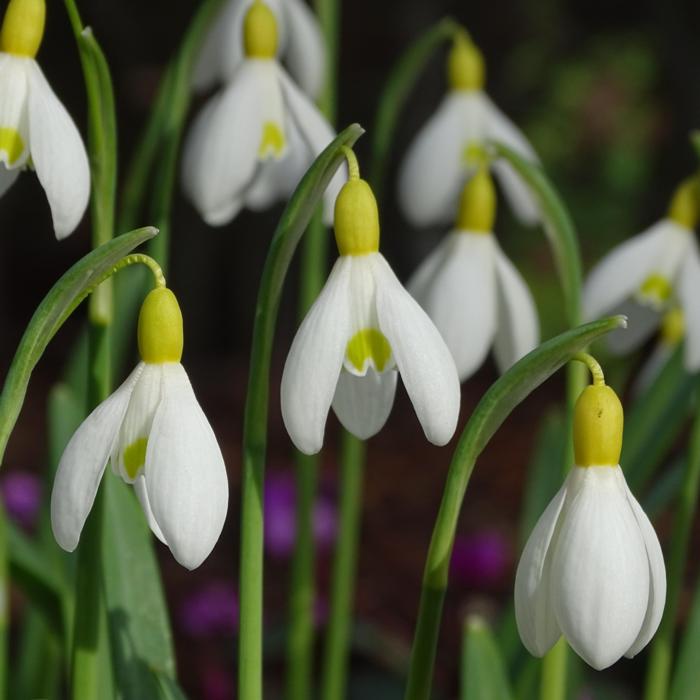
[
  {"x": 158, "y": 439},
  {"x": 648, "y": 274},
  {"x": 363, "y": 330},
  {"x": 253, "y": 141},
  {"x": 449, "y": 148},
  {"x": 592, "y": 569},
  {"x": 35, "y": 129},
  {"x": 473, "y": 293},
  {"x": 301, "y": 45}
]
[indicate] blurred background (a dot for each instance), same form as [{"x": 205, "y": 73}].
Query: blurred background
[{"x": 606, "y": 92}]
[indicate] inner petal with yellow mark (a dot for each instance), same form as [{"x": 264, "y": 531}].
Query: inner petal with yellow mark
[
  {"x": 368, "y": 348},
  {"x": 655, "y": 291},
  {"x": 273, "y": 142},
  {"x": 474, "y": 155},
  {"x": 135, "y": 457},
  {"x": 11, "y": 145}
]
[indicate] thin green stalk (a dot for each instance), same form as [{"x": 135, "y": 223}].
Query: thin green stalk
[
  {"x": 328, "y": 13},
  {"x": 335, "y": 668},
  {"x": 660, "y": 662}
]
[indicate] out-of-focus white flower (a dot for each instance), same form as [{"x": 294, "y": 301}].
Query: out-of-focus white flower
[
  {"x": 472, "y": 291},
  {"x": 448, "y": 149},
  {"x": 253, "y": 141},
  {"x": 301, "y": 45},
  {"x": 650, "y": 273},
  {"x": 158, "y": 439},
  {"x": 592, "y": 569},
  {"x": 362, "y": 331},
  {"x": 35, "y": 129}
]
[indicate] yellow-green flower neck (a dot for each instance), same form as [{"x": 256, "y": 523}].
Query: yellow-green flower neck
[
  {"x": 160, "y": 334},
  {"x": 684, "y": 209},
  {"x": 465, "y": 65},
  {"x": 477, "y": 205},
  {"x": 260, "y": 37},
  {"x": 598, "y": 425},
  {"x": 23, "y": 27}
]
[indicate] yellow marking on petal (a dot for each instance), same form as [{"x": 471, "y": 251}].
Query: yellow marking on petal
[
  {"x": 368, "y": 344},
  {"x": 12, "y": 143},
  {"x": 272, "y": 140},
  {"x": 23, "y": 27},
  {"x": 135, "y": 457},
  {"x": 598, "y": 424},
  {"x": 356, "y": 219},
  {"x": 474, "y": 155},
  {"x": 160, "y": 328},
  {"x": 465, "y": 65},
  {"x": 673, "y": 326},
  {"x": 685, "y": 204},
  {"x": 260, "y": 31},
  {"x": 656, "y": 289},
  {"x": 477, "y": 206}
]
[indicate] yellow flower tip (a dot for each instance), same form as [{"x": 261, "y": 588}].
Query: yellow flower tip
[
  {"x": 23, "y": 27},
  {"x": 356, "y": 219},
  {"x": 673, "y": 327},
  {"x": 12, "y": 144},
  {"x": 368, "y": 347},
  {"x": 260, "y": 31},
  {"x": 477, "y": 206},
  {"x": 272, "y": 142},
  {"x": 160, "y": 328},
  {"x": 465, "y": 65},
  {"x": 685, "y": 204},
  {"x": 598, "y": 423},
  {"x": 656, "y": 290}
]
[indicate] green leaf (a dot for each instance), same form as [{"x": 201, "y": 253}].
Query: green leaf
[
  {"x": 558, "y": 226},
  {"x": 140, "y": 634},
  {"x": 57, "y": 306},
  {"x": 392, "y": 100},
  {"x": 168, "y": 689},
  {"x": 686, "y": 678},
  {"x": 483, "y": 672}
]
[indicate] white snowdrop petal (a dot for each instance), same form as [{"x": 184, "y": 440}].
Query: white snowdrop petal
[
  {"x": 7, "y": 178},
  {"x": 622, "y": 271},
  {"x": 642, "y": 322},
  {"x": 142, "y": 495},
  {"x": 424, "y": 361},
  {"x": 657, "y": 575},
  {"x": 518, "y": 327},
  {"x": 363, "y": 404},
  {"x": 185, "y": 474},
  {"x": 58, "y": 154},
  {"x": 534, "y": 612},
  {"x": 220, "y": 153},
  {"x": 83, "y": 463},
  {"x": 14, "y": 150},
  {"x": 600, "y": 570},
  {"x": 314, "y": 361},
  {"x": 688, "y": 291},
  {"x": 305, "y": 50},
  {"x": 433, "y": 170},
  {"x": 423, "y": 278}
]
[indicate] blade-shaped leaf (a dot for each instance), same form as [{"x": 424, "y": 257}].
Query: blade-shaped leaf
[
  {"x": 50, "y": 315},
  {"x": 483, "y": 672},
  {"x": 686, "y": 678}
]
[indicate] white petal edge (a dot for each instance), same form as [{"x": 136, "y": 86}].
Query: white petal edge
[
  {"x": 424, "y": 361},
  {"x": 314, "y": 361},
  {"x": 83, "y": 463},
  {"x": 58, "y": 154},
  {"x": 14, "y": 88},
  {"x": 689, "y": 295},
  {"x": 305, "y": 51},
  {"x": 142, "y": 495},
  {"x": 185, "y": 474}
]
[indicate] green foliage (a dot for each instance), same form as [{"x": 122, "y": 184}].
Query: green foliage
[{"x": 483, "y": 671}]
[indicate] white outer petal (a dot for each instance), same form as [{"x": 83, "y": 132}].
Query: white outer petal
[
  {"x": 657, "y": 574},
  {"x": 363, "y": 404},
  {"x": 422, "y": 279},
  {"x": 622, "y": 271},
  {"x": 58, "y": 154},
  {"x": 424, "y": 361},
  {"x": 433, "y": 172},
  {"x": 185, "y": 473},
  {"x": 642, "y": 322},
  {"x": 83, "y": 462},
  {"x": 688, "y": 291},
  {"x": 13, "y": 106},
  {"x": 142, "y": 495},
  {"x": 500, "y": 128},
  {"x": 305, "y": 50},
  {"x": 220, "y": 153},
  {"x": 600, "y": 569},
  {"x": 518, "y": 327},
  {"x": 314, "y": 361},
  {"x": 534, "y": 611}
]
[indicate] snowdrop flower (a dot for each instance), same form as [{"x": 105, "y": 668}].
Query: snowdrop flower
[
  {"x": 449, "y": 148},
  {"x": 650, "y": 273},
  {"x": 362, "y": 331},
  {"x": 35, "y": 129},
  {"x": 158, "y": 439},
  {"x": 301, "y": 45},
  {"x": 253, "y": 141},
  {"x": 472, "y": 292},
  {"x": 592, "y": 569}
]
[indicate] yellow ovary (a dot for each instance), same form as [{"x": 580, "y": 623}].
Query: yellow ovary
[
  {"x": 272, "y": 141},
  {"x": 368, "y": 346},
  {"x": 685, "y": 204},
  {"x": 260, "y": 31},
  {"x": 465, "y": 65},
  {"x": 356, "y": 219},
  {"x": 598, "y": 424},
  {"x": 11, "y": 143},
  {"x": 23, "y": 27},
  {"x": 135, "y": 457},
  {"x": 477, "y": 206},
  {"x": 160, "y": 328}
]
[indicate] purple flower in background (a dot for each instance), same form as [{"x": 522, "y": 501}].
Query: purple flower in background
[
  {"x": 480, "y": 558},
  {"x": 212, "y": 609},
  {"x": 280, "y": 517},
  {"x": 21, "y": 495}
]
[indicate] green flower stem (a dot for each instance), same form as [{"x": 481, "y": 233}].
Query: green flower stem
[
  {"x": 660, "y": 661},
  {"x": 289, "y": 231},
  {"x": 328, "y": 13},
  {"x": 335, "y": 666}
]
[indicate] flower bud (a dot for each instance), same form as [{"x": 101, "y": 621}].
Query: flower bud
[
  {"x": 598, "y": 423},
  {"x": 160, "y": 328},
  {"x": 356, "y": 219}
]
